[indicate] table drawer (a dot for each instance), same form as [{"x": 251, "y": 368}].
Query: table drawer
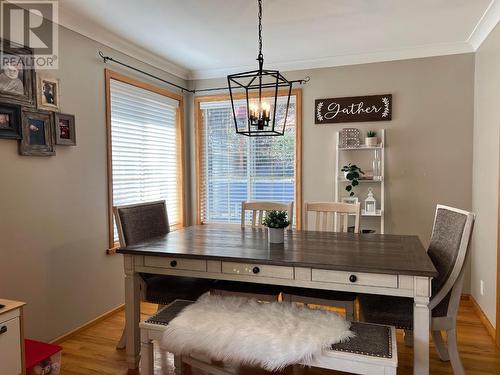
[
  {"x": 257, "y": 270},
  {"x": 10, "y": 347},
  {"x": 176, "y": 263},
  {"x": 355, "y": 278}
]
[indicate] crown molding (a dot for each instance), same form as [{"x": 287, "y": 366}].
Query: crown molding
[
  {"x": 485, "y": 25},
  {"x": 342, "y": 60},
  {"x": 99, "y": 34}
]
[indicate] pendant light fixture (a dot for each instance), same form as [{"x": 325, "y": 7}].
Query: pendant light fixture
[{"x": 261, "y": 95}]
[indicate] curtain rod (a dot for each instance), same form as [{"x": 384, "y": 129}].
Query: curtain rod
[{"x": 107, "y": 58}]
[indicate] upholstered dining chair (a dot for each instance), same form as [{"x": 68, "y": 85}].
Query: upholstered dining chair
[
  {"x": 448, "y": 251},
  {"x": 261, "y": 292},
  {"x": 330, "y": 216},
  {"x": 144, "y": 221}
]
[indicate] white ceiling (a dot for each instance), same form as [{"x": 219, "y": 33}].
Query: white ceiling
[{"x": 201, "y": 38}]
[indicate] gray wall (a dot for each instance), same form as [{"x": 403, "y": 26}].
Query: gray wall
[
  {"x": 53, "y": 211},
  {"x": 485, "y": 175},
  {"x": 429, "y": 148}
]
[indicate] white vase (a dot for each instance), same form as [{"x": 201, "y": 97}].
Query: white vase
[
  {"x": 371, "y": 141},
  {"x": 276, "y": 235}
]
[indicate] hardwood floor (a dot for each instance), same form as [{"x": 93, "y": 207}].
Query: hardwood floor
[{"x": 92, "y": 351}]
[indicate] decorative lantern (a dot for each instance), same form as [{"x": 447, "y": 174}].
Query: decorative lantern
[
  {"x": 261, "y": 107},
  {"x": 370, "y": 203}
]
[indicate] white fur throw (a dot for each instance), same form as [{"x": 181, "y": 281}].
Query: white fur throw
[{"x": 244, "y": 331}]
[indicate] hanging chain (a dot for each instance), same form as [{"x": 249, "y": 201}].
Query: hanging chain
[{"x": 260, "y": 58}]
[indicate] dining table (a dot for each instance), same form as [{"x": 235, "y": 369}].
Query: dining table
[{"x": 383, "y": 264}]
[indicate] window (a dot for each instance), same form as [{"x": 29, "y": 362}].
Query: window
[
  {"x": 232, "y": 168},
  {"x": 144, "y": 147}
]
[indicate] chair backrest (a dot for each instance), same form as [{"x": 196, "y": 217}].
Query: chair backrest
[
  {"x": 140, "y": 222},
  {"x": 259, "y": 209},
  {"x": 332, "y": 216},
  {"x": 448, "y": 251}
]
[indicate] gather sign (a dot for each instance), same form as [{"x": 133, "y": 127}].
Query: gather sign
[{"x": 353, "y": 109}]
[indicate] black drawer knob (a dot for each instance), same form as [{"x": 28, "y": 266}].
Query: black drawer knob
[
  {"x": 3, "y": 329},
  {"x": 353, "y": 278},
  {"x": 256, "y": 270},
  {"x": 173, "y": 263}
]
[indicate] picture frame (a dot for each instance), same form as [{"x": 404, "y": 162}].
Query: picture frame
[
  {"x": 48, "y": 93},
  {"x": 10, "y": 121},
  {"x": 17, "y": 78},
  {"x": 64, "y": 129},
  {"x": 350, "y": 200},
  {"x": 37, "y": 133}
]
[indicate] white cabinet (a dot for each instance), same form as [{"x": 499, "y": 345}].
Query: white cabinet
[{"x": 11, "y": 338}]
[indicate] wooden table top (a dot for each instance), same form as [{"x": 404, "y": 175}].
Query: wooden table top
[{"x": 392, "y": 254}]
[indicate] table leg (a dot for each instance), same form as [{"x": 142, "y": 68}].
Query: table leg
[
  {"x": 421, "y": 325},
  {"x": 132, "y": 312}
]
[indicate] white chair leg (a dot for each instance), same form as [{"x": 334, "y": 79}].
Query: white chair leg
[
  {"x": 179, "y": 366},
  {"x": 456, "y": 363},
  {"x": 440, "y": 345},
  {"x": 122, "y": 342},
  {"x": 147, "y": 355},
  {"x": 408, "y": 337}
]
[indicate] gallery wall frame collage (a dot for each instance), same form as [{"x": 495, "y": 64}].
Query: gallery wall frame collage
[{"x": 30, "y": 106}]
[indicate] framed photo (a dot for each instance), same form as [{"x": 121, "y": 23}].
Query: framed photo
[
  {"x": 350, "y": 200},
  {"x": 48, "y": 93},
  {"x": 10, "y": 121},
  {"x": 17, "y": 79},
  {"x": 38, "y": 138},
  {"x": 65, "y": 129}
]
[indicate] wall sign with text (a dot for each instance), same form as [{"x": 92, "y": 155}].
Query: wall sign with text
[{"x": 353, "y": 109}]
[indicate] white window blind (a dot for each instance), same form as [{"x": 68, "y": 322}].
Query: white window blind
[
  {"x": 236, "y": 168},
  {"x": 144, "y": 147}
]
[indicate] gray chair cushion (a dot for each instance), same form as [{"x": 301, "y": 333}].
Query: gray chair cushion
[
  {"x": 396, "y": 311},
  {"x": 165, "y": 289},
  {"x": 250, "y": 288},
  {"x": 371, "y": 339},
  {"x": 320, "y": 294},
  {"x": 168, "y": 313},
  {"x": 143, "y": 222}
]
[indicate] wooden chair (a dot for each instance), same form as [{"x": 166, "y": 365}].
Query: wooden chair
[
  {"x": 329, "y": 217},
  {"x": 332, "y": 216},
  {"x": 259, "y": 209},
  {"x": 144, "y": 221},
  {"x": 260, "y": 292},
  {"x": 448, "y": 251}
]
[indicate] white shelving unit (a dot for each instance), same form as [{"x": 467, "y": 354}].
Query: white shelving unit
[{"x": 342, "y": 158}]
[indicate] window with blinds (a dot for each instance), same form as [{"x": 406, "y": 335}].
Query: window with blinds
[
  {"x": 236, "y": 168},
  {"x": 144, "y": 140}
]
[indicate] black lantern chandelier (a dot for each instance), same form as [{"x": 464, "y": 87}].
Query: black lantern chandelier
[{"x": 261, "y": 93}]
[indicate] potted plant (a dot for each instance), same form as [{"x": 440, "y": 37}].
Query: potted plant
[
  {"x": 371, "y": 139},
  {"x": 276, "y": 222},
  {"x": 352, "y": 173}
]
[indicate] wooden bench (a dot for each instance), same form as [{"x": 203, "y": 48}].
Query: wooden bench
[{"x": 373, "y": 351}]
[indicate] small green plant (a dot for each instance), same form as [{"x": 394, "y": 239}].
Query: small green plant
[
  {"x": 371, "y": 134},
  {"x": 276, "y": 219},
  {"x": 352, "y": 173}
]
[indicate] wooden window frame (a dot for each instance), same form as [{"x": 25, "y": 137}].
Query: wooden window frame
[
  {"x": 109, "y": 75},
  {"x": 298, "y": 146}
]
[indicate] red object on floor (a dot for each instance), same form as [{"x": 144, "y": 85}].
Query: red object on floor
[{"x": 37, "y": 351}]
